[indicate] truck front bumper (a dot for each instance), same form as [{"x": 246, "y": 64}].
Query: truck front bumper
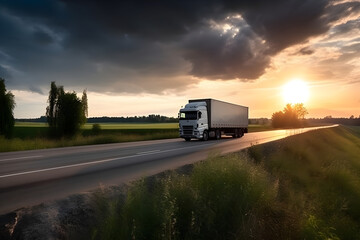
[{"x": 195, "y": 134}]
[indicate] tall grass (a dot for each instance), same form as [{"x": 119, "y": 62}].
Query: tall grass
[
  {"x": 223, "y": 198},
  {"x": 302, "y": 187},
  {"x": 319, "y": 180},
  {"x": 18, "y": 144}
]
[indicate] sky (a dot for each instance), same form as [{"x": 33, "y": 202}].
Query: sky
[{"x": 142, "y": 57}]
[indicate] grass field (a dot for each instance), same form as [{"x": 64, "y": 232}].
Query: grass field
[
  {"x": 302, "y": 187},
  {"x": 135, "y": 126},
  {"x": 32, "y": 130},
  {"x": 259, "y": 128},
  {"x": 28, "y": 136}
]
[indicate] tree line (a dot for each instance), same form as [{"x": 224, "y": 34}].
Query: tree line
[
  {"x": 354, "y": 121},
  {"x": 293, "y": 115}
]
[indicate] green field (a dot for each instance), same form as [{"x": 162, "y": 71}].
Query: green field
[
  {"x": 302, "y": 187},
  {"x": 28, "y": 136},
  {"x": 134, "y": 126},
  {"x": 259, "y": 128}
]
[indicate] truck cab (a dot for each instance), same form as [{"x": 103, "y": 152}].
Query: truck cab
[{"x": 193, "y": 121}]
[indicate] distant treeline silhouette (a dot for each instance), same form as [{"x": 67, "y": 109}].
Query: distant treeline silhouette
[
  {"x": 136, "y": 119},
  {"x": 352, "y": 121}
]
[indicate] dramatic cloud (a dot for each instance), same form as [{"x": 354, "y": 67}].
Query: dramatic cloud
[
  {"x": 226, "y": 53},
  {"x": 146, "y": 46},
  {"x": 306, "y": 51}
]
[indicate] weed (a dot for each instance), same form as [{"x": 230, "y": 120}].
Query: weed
[{"x": 302, "y": 187}]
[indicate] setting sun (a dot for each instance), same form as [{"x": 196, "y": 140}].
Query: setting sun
[{"x": 296, "y": 91}]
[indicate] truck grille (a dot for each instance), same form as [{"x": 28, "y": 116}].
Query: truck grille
[{"x": 188, "y": 130}]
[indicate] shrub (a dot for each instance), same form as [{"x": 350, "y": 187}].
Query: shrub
[{"x": 96, "y": 129}]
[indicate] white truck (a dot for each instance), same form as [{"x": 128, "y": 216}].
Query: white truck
[{"x": 210, "y": 118}]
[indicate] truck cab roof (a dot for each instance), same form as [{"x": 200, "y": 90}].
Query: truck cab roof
[{"x": 195, "y": 105}]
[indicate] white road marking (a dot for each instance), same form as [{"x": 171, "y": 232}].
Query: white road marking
[
  {"x": 120, "y": 158},
  {"x": 154, "y": 151},
  {"x": 97, "y": 162},
  {"x": 18, "y": 158}
]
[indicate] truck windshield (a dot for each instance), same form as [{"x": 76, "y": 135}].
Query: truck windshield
[{"x": 188, "y": 115}]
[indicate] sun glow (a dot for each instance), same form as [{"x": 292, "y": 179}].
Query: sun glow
[{"x": 296, "y": 91}]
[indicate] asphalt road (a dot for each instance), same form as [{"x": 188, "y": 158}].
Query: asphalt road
[{"x": 32, "y": 177}]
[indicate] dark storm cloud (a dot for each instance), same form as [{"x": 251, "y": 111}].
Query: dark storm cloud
[
  {"x": 36, "y": 89},
  {"x": 147, "y": 46},
  {"x": 226, "y": 56},
  {"x": 288, "y": 22},
  {"x": 4, "y": 73},
  {"x": 42, "y": 37}
]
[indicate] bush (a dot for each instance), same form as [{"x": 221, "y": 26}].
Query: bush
[{"x": 96, "y": 129}]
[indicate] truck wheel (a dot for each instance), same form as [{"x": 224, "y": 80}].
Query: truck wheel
[
  {"x": 205, "y": 136},
  {"x": 217, "y": 134},
  {"x": 236, "y": 134},
  {"x": 241, "y": 133},
  {"x": 187, "y": 139}
]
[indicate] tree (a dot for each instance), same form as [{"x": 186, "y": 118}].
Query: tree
[
  {"x": 52, "y": 109},
  {"x": 291, "y": 116},
  {"x": 300, "y": 110},
  {"x": 7, "y": 105},
  {"x": 277, "y": 119},
  {"x": 66, "y": 112},
  {"x": 85, "y": 110}
]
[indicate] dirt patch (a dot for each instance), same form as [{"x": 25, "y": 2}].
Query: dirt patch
[{"x": 50, "y": 220}]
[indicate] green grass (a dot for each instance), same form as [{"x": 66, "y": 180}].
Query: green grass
[
  {"x": 134, "y": 126},
  {"x": 259, "y": 128},
  {"x": 86, "y": 138},
  {"x": 302, "y": 187},
  {"x": 30, "y": 131},
  {"x": 222, "y": 198},
  {"x": 28, "y": 135},
  {"x": 30, "y": 124},
  {"x": 319, "y": 180}
]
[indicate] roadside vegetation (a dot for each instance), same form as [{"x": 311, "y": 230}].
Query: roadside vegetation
[
  {"x": 7, "y": 105},
  {"x": 293, "y": 116},
  {"x": 302, "y": 187},
  {"x": 29, "y": 136}
]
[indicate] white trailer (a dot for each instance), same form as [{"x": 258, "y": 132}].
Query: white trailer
[{"x": 204, "y": 118}]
